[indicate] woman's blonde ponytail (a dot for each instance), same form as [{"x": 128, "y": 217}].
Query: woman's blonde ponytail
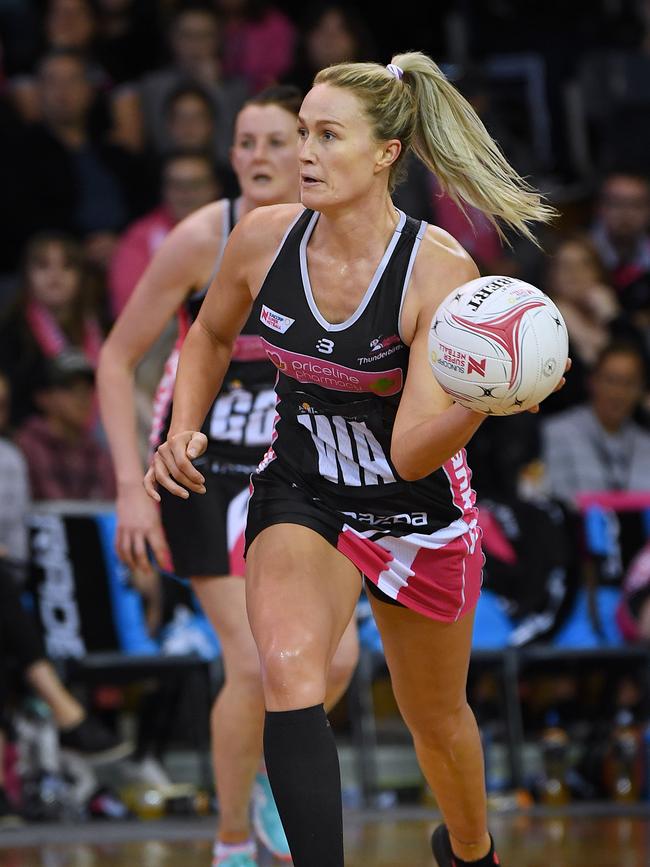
[
  {"x": 429, "y": 116},
  {"x": 451, "y": 140}
]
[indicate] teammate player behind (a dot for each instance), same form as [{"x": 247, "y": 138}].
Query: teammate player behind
[
  {"x": 367, "y": 472},
  {"x": 203, "y": 531}
]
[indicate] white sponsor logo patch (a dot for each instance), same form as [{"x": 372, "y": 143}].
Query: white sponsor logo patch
[{"x": 274, "y": 320}]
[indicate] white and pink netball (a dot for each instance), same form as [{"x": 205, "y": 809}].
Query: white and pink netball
[{"x": 498, "y": 345}]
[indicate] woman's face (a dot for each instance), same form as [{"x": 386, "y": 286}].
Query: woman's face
[
  {"x": 52, "y": 280},
  {"x": 617, "y": 388},
  {"x": 265, "y": 154},
  {"x": 330, "y": 41},
  {"x": 340, "y": 160},
  {"x": 573, "y": 272},
  {"x": 194, "y": 38},
  {"x": 190, "y": 123},
  {"x": 69, "y": 24}
]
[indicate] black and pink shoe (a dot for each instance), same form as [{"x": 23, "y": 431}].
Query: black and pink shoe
[{"x": 441, "y": 845}]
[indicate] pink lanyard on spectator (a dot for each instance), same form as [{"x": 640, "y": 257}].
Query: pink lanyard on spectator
[{"x": 51, "y": 338}]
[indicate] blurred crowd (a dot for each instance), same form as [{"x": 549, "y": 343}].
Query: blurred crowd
[{"x": 117, "y": 118}]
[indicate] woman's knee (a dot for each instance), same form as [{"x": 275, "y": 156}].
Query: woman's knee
[
  {"x": 241, "y": 661},
  {"x": 438, "y": 728},
  {"x": 243, "y": 670},
  {"x": 293, "y": 672}
]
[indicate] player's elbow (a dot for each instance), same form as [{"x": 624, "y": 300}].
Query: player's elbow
[
  {"x": 410, "y": 475},
  {"x": 113, "y": 358},
  {"x": 106, "y": 361},
  {"x": 403, "y": 462}
]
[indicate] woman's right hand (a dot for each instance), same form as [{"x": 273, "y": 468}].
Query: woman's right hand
[
  {"x": 171, "y": 466},
  {"x": 138, "y": 526}
]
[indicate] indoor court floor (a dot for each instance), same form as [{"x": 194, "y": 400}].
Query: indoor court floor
[{"x": 386, "y": 839}]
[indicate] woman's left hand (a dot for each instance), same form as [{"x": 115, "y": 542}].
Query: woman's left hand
[{"x": 171, "y": 466}]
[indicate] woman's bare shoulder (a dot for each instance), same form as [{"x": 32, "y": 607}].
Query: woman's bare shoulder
[
  {"x": 441, "y": 265},
  {"x": 254, "y": 242},
  {"x": 442, "y": 262},
  {"x": 439, "y": 244},
  {"x": 266, "y": 226},
  {"x": 202, "y": 228}
]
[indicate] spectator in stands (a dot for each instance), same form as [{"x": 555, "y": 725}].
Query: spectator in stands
[
  {"x": 70, "y": 179},
  {"x": 76, "y": 25},
  {"x": 70, "y": 24},
  {"x": 19, "y": 638},
  {"x": 598, "y": 446},
  {"x": 51, "y": 314},
  {"x": 65, "y": 461},
  {"x": 190, "y": 119},
  {"x": 66, "y": 25},
  {"x": 259, "y": 41},
  {"x": 330, "y": 33},
  {"x": 577, "y": 282},
  {"x": 14, "y": 486},
  {"x": 576, "y": 279},
  {"x": 621, "y": 232},
  {"x": 20, "y": 641},
  {"x": 188, "y": 183},
  {"x": 127, "y": 39},
  {"x": 195, "y": 41}
]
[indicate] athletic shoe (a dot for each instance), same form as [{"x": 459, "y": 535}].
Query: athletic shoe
[
  {"x": 441, "y": 845},
  {"x": 235, "y": 856},
  {"x": 104, "y": 803},
  {"x": 94, "y": 742},
  {"x": 266, "y": 820},
  {"x": 147, "y": 770}
]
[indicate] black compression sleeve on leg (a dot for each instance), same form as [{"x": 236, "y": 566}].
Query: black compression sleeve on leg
[{"x": 303, "y": 767}]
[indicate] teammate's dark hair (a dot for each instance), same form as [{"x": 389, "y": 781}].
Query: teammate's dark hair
[{"x": 286, "y": 96}]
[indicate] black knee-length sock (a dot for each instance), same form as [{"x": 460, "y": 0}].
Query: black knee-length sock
[{"x": 303, "y": 768}]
